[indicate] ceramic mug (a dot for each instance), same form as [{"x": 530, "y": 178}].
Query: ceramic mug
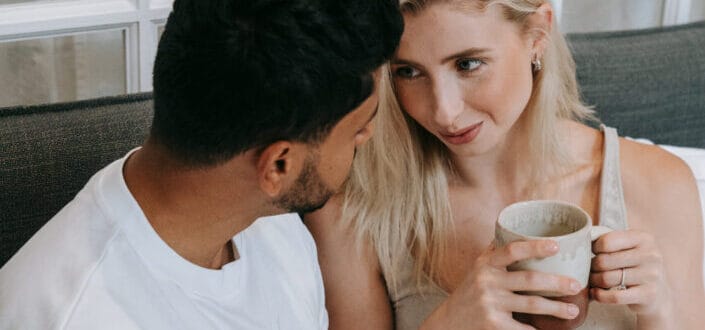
[{"x": 571, "y": 228}]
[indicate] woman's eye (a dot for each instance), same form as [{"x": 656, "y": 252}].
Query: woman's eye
[
  {"x": 406, "y": 72},
  {"x": 468, "y": 64}
]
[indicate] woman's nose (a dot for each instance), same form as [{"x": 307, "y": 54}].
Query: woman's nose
[{"x": 448, "y": 104}]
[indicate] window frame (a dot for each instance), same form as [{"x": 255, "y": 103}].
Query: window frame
[{"x": 139, "y": 19}]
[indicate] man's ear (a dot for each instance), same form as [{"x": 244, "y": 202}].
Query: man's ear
[
  {"x": 277, "y": 166},
  {"x": 540, "y": 24}
]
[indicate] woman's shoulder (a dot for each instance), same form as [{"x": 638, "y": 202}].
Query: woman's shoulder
[
  {"x": 657, "y": 184},
  {"x": 647, "y": 165},
  {"x": 335, "y": 235},
  {"x": 325, "y": 221},
  {"x": 648, "y": 172},
  {"x": 355, "y": 290}
]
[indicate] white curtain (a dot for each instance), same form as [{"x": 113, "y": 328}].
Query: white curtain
[
  {"x": 57, "y": 69},
  {"x": 610, "y": 15}
]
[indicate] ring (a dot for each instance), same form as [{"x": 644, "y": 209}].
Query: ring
[{"x": 622, "y": 283}]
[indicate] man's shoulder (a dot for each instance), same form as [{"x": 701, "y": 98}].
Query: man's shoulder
[{"x": 50, "y": 272}]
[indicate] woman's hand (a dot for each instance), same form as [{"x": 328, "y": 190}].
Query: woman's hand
[
  {"x": 486, "y": 299},
  {"x": 632, "y": 257}
]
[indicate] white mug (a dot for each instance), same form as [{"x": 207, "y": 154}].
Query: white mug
[{"x": 571, "y": 228}]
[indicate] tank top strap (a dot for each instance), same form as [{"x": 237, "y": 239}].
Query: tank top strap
[{"x": 613, "y": 212}]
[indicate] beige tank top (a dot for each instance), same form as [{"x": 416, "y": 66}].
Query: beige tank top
[{"x": 412, "y": 305}]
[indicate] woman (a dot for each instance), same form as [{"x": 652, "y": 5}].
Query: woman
[{"x": 485, "y": 112}]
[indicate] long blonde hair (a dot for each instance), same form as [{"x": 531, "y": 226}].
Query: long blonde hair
[{"x": 397, "y": 195}]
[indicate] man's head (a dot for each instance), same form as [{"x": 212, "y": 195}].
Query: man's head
[
  {"x": 233, "y": 76},
  {"x": 326, "y": 168}
]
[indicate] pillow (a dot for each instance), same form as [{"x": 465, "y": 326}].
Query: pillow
[{"x": 695, "y": 158}]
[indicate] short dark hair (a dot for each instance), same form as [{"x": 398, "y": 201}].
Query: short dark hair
[{"x": 233, "y": 75}]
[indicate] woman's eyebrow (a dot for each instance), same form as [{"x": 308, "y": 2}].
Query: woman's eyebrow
[{"x": 470, "y": 52}]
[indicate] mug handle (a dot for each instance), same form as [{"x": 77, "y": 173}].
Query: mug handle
[{"x": 596, "y": 232}]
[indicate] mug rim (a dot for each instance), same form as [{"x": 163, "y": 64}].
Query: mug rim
[{"x": 586, "y": 227}]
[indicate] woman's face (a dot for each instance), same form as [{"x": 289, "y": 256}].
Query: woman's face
[{"x": 464, "y": 75}]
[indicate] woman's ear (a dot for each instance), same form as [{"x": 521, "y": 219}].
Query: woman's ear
[
  {"x": 539, "y": 26},
  {"x": 276, "y": 167}
]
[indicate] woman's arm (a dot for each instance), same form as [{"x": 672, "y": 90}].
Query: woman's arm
[
  {"x": 666, "y": 223},
  {"x": 356, "y": 295}
]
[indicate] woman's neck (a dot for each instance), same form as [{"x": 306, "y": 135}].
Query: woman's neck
[
  {"x": 515, "y": 173},
  {"x": 507, "y": 164}
]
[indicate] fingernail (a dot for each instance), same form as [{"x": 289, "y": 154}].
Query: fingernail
[
  {"x": 575, "y": 286},
  {"x": 573, "y": 310}
]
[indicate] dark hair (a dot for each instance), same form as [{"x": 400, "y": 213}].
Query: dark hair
[{"x": 232, "y": 75}]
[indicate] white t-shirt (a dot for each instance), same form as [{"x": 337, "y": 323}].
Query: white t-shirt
[{"x": 98, "y": 264}]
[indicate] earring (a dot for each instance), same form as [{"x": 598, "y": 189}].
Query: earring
[{"x": 536, "y": 64}]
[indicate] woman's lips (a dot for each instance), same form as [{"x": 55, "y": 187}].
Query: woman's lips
[{"x": 463, "y": 136}]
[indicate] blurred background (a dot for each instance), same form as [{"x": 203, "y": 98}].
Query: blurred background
[{"x": 65, "y": 50}]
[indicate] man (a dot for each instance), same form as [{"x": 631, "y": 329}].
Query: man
[{"x": 259, "y": 106}]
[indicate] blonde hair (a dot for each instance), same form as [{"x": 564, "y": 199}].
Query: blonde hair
[{"x": 397, "y": 195}]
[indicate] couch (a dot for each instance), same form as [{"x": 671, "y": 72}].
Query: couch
[{"x": 647, "y": 83}]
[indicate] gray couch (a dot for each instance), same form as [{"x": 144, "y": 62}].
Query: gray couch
[{"x": 647, "y": 83}]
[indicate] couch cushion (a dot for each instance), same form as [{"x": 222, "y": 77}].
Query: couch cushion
[
  {"x": 48, "y": 153},
  {"x": 646, "y": 83}
]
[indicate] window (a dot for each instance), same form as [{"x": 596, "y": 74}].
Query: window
[
  {"x": 64, "y": 50},
  {"x": 601, "y": 15},
  {"x": 63, "y": 68}
]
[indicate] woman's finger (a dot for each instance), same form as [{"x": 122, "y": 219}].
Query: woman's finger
[
  {"x": 632, "y": 276},
  {"x": 530, "y": 304},
  {"x": 639, "y": 294},
  {"x": 522, "y": 250},
  {"x": 624, "y": 259},
  {"x": 514, "y": 325},
  {"x": 620, "y": 240},
  {"x": 538, "y": 281}
]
